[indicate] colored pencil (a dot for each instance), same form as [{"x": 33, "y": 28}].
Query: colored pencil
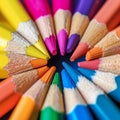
[
  {"x": 75, "y": 105},
  {"x": 41, "y": 13},
  {"x": 12, "y": 41},
  {"x": 16, "y": 15},
  {"x": 12, "y": 63},
  {"x": 62, "y": 19},
  {"x": 116, "y": 19},
  {"x": 106, "y": 64},
  {"x": 101, "y": 105},
  {"x": 13, "y": 87},
  {"x": 32, "y": 97},
  {"x": 109, "y": 82},
  {"x": 8, "y": 104},
  {"x": 19, "y": 83},
  {"x": 97, "y": 28},
  {"x": 109, "y": 45},
  {"x": 95, "y": 8},
  {"x": 80, "y": 21},
  {"x": 53, "y": 107}
]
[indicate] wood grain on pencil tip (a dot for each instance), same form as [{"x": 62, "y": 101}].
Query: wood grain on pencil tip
[
  {"x": 98, "y": 101},
  {"x": 107, "y": 64},
  {"x": 16, "y": 15},
  {"x": 14, "y": 42},
  {"x": 80, "y": 21},
  {"x": 62, "y": 18},
  {"x": 32, "y": 97},
  {"x": 16, "y": 86},
  {"x": 109, "y": 45},
  {"x": 41, "y": 13},
  {"x": 107, "y": 81},
  {"x": 53, "y": 107},
  {"x": 76, "y": 107},
  {"x": 97, "y": 28},
  {"x": 12, "y": 63},
  {"x": 20, "y": 83}
]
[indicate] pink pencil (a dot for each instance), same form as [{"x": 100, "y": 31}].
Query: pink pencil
[
  {"x": 107, "y": 64},
  {"x": 41, "y": 13},
  {"x": 62, "y": 19}
]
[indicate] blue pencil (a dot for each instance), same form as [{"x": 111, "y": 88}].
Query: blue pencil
[
  {"x": 76, "y": 107},
  {"x": 109, "y": 82},
  {"x": 101, "y": 105}
]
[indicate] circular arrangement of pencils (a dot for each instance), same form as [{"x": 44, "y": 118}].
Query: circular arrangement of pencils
[{"x": 60, "y": 59}]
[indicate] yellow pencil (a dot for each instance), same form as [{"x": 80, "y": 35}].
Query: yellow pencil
[
  {"x": 16, "y": 15},
  {"x": 12, "y": 41}
]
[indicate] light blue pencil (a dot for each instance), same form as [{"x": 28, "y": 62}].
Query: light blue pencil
[
  {"x": 101, "y": 105},
  {"x": 76, "y": 107},
  {"x": 109, "y": 82}
]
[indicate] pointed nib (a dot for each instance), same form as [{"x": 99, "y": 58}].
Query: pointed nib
[
  {"x": 81, "y": 49},
  {"x": 41, "y": 46},
  {"x": 47, "y": 77},
  {"x": 72, "y": 42},
  {"x": 38, "y": 63},
  {"x": 51, "y": 44},
  {"x": 94, "y": 64},
  {"x": 62, "y": 41},
  {"x": 94, "y": 53},
  {"x": 42, "y": 71}
]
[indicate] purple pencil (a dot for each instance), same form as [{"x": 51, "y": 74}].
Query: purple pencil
[
  {"x": 62, "y": 19},
  {"x": 79, "y": 23}
]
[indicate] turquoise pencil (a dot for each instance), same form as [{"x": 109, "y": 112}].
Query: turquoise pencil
[
  {"x": 76, "y": 107},
  {"x": 101, "y": 105}
]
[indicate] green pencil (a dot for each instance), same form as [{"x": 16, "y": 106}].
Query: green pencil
[{"x": 53, "y": 107}]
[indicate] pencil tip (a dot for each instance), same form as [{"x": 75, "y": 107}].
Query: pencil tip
[
  {"x": 81, "y": 49},
  {"x": 47, "y": 77},
  {"x": 94, "y": 64},
  {"x": 51, "y": 44},
  {"x": 62, "y": 53},
  {"x": 54, "y": 52},
  {"x": 94, "y": 53},
  {"x": 62, "y": 41},
  {"x": 42, "y": 70},
  {"x": 72, "y": 59},
  {"x": 72, "y": 42},
  {"x": 66, "y": 80},
  {"x": 38, "y": 63}
]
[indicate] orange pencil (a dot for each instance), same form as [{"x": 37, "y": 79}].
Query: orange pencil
[
  {"x": 109, "y": 45},
  {"x": 32, "y": 97},
  {"x": 20, "y": 83},
  {"x": 12, "y": 63},
  {"x": 98, "y": 27},
  {"x": 16, "y": 86}
]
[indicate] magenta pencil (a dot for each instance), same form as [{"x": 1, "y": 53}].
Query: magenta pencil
[
  {"x": 41, "y": 13},
  {"x": 62, "y": 19}
]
